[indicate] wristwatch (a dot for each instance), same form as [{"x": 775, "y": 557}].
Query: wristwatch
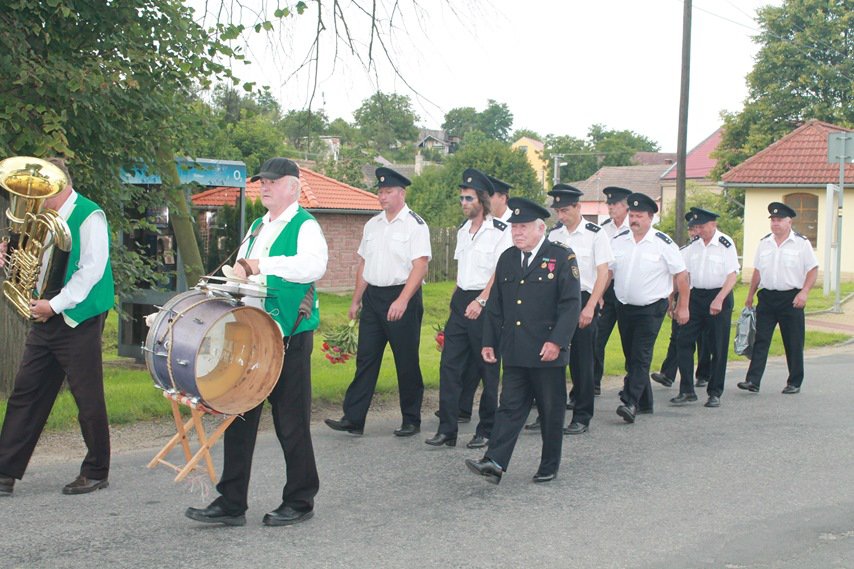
[{"x": 481, "y": 301}]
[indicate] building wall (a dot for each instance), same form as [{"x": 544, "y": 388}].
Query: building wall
[
  {"x": 668, "y": 191},
  {"x": 532, "y": 152},
  {"x": 756, "y": 226},
  {"x": 343, "y": 234}
]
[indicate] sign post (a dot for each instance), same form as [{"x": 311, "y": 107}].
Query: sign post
[{"x": 840, "y": 148}]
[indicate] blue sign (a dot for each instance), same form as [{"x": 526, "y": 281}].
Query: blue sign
[{"x": 202, "y": 171}]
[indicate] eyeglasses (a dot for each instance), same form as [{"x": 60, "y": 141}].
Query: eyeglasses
[{"x": 467, "y": 198}]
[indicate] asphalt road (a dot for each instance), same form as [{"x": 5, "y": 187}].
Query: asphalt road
[{"x": 765, "y": 481}]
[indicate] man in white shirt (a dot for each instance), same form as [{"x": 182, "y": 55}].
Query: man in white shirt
[
  {"x": 646, "y": 264},
  {"x": 394, "y": 253},
  {"x": 785, "y": 268},
  {"x": 712, "y": 264},
  {"x": 480, "y": 241}
]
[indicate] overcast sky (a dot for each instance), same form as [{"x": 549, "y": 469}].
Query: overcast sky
[{"x": 560, "y": 65}]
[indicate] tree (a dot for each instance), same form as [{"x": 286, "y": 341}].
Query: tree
[
  {"x": 302, "y": 128},
  {"x": 577, "y": 154},
  {"x": 387, "y": 123},
  {"x": 526, "y": 132},
  {"x": 617, "y": 147},
  {"x": 494, "y": 121},
  {"x": 460, "y": 121},
  {"x": 804, "y": 70},
  {"x": 731, "y": 210}
]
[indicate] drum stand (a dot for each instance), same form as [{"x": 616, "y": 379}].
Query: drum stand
[{"x": 206, "y": 441}]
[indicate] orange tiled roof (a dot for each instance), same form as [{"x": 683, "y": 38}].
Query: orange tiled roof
[
  {"x": 318, "y": 192},
  {"x": 800, "y": 157},
  {"x": 643, "y": 179},
  {"x": 698, "y": 162}
]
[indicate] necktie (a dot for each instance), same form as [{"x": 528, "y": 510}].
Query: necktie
[{"x": 526, "y": 257}]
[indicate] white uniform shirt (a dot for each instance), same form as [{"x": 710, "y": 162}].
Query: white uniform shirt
[
  {"x": 591, "y": 247},
  {"x": 389, "y": 247},
  {"x": 505, "y": 217},
  {"x": 784, "y": 267},
  {"x": 611, "y": 228},
  {"x": 643, "y": 271},
  {"x": 94, "y": 252},
  {"x": 710, "y": 265},
  {"x": 307, "y": 266},
  {"x": 478, "y": 254}
]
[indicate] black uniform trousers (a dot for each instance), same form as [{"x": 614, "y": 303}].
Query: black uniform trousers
[
  {"x": 607, "y": 321},
  {"x": 290, "y": 402},
  {"x": 404, "y": 336},
  {"x": 775, "y": 307},
  {"x": 639, "y": 327},
  {"x": 462, "y": 352},
  {"x": 716, "y": 329},
  {"x": 581, "y": 367},
  {"x": 670, "y": 365},
  {"x": 470, "y": 382},
  {"x": 520, "y": 386},
  {"x": 53, "y": 352}
]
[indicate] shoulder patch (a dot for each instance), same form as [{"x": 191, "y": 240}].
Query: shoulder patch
[
  {"x": 663, "y": 237},
  {"x": 623, "y": 232},
  {"x": 800, "y": 235},
  {"x": 561, "y": 245},
  {"x": 606, "y": 222},
  {"x": 689, "y": 243},
  {"x": 498, "y": 224},
  {"x": 725, "y": 242},
  {"x": 766, "y": 237},
  {"x": 417, "y": 217},
  {"x": 592, "y": 227}
]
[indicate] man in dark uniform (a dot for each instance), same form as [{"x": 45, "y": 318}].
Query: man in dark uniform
[
  {"x": 531, "y": 316},
  {"x": 786, "y": 268},
  {"x": 394, "y": 253},
  {"x": 617, "y": 222}
]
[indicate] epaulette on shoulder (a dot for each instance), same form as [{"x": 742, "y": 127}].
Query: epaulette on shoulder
[
  {"x": 460, "y": 226},
  {"x": 620, "y": 234},
  {"x": 557, "y": 226},
  {"x": 498, "y": 224},
  {"x": 725, "y": 242},
  {"x": 417, "y": 217},
  {"x": 663, "y": 237},
  {"x": 766, "y": 237},
  {"x": 689, "y": 243},
  {"x": 590, "y": 226},
  {"x": 558, "y": 244},
  {"x": 607, "y": 221},
  {"x": 800, "y": 235}
]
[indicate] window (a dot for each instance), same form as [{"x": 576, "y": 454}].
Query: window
[{"x": 806, "y": 222}]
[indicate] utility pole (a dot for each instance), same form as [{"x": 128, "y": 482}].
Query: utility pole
[
  {"x": 556, "y": 160},
  {"x": 681, "y": 142}
]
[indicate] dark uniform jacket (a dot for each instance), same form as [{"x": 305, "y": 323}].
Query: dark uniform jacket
[{"x": 528, "y": 308}]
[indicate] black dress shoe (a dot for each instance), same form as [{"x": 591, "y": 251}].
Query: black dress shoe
[
  {"x": 539, "y": 477},
  {"x": 215, "y": 514},
  {"x": 683, "y": 398},
  {"x": 662, "y": 379},
  {"x": 83, "y": 485},
  {"x": 570, "y": 405},
  {"x": 407, "y": 430},
  {"x": 701, "y": 382},
  {"x": 748, "y": 386},
  {"x": 477, "y": 441},
  {"x": 286, "y": 516},
  {"x": 440, "y": 439},
  {"x": 535, "y": 426},
  {"x": 627, "y": 412},
  {"x": 346, "y": 425},
  {"x": 7, "y": 485},
  {"x": 575, "y": 429},
  {"x": 714, "y": 401},
  {"x": 791, "y": 390},
  {"x": 461, "y": 418},
  {"x": 487, "y": 468},
  {"x": 597, "y": 391}
]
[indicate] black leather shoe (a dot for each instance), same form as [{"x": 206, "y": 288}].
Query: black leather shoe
[
  {"x": 597, "y": 391},
  {"x": 286, "y": 516},
  {"x": 462, "y": 418},
  {"x": 486, "y": 468},
  {"x": 535, "y": 426},
  {"x": 747, "y": 386},
  {"x": 714, "y": 401},
  {"x": 407, "y": 430},
  {"x": 346, "y": 425},
  {"x": 477, "y": 441},
  {"x": 575, "y": 429},
  {"x": 627, "y": 412},
  {"x": 83, "y": 485},
  {"x": 7, "y": 485},
  {"x": 701, "y": 382},
  {"x": 683, "y": 398},
  {"x": 215, "y": 514},
  {"x": 440, "y": 439},
  {"x": 791, "y": 390},
  {"x": 570, "y": 405},
  {"x": 539, "y": 477},
  {"x": 662, "y": 379}
]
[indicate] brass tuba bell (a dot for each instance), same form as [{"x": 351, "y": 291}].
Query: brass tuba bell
[{"x": 32, "y": 231}]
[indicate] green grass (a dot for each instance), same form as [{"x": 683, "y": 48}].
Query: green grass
[{"x": 131, "y": 395}]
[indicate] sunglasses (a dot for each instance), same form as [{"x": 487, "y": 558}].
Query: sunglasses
[{"x": 467, "y": 198}]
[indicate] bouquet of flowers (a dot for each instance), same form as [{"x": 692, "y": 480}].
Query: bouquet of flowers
[
  {"x": 340, "y": 343},
  {"x": 440, "y": 336}
]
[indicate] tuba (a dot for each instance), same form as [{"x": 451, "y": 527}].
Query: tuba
[{"x": 33, "y": 230}]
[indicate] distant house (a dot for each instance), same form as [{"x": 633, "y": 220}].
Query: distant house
[
  {"x": 794, "y": 170},
  {"x": 432, "y": 139},
  {"x": 533, "y": 150},
  {"x": 643, "y": 179},
  {"x": 341, "y": 211},
  {"x": 698, "y": 165},
  {"x": 653, "y": 158}
]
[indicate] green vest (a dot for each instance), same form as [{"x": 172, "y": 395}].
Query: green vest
[
  {"x": 102, "y": 296},
  {"x": 285, "y": 296}
]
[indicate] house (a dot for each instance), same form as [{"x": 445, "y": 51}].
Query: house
[
  {"x": 643, "y": 179},
  {"x": 795, "y": 170},
  {"x": 432, "y": 139},
  {"x": 341, "y": 211},
  {"x": 533, "y": 150},
  {"x": 653, "y": 158},
  {"x": 698, "y": 165}
]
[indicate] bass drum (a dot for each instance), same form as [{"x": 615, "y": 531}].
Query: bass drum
[{"x": 211, "y": 347}]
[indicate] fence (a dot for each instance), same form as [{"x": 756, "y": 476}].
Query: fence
[{"x": 443, "y": 241}]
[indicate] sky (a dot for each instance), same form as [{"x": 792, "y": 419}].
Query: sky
[{"x": 559, "y": 65}]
